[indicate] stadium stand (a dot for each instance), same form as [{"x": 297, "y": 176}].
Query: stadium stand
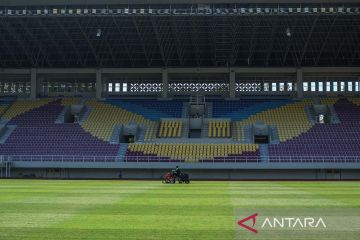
[
  {"x": 324, "y": 140},
  {"x": 290, "y": 119},
  {"x": 191, "y": 152},
  {"x": 37, "y": 134},
  {"x": 70, "y": 101},
  {"x": 196, "y": 83},
  {"x": 170, "y": 129},
  {"x": 35, "y": 126},
  {"x": 22, "y": 106},
  {"x": 219, "y": 129},
  {"x": 355, "y": 101},
  {"x": 240, "y": 110},
  {"x": 150, "y": 108},
  {"x": 104, "y": 117},
  {"x": 3, "y": 108}
]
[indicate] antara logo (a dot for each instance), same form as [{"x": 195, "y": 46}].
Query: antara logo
[
  {"x": 242, "y": 221},
  {"x": 284, "y": 222}
]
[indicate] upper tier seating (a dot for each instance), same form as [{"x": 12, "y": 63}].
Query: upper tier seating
[
  {"x": 170, "y": 129},
  {"x": 341, "y": 139},
  {"x": 237, "y": 110},
  {"x": 22, "y": 106},
  {"x": 244, "y": 108},
  {"x": 37, "y": 134},
  {"x": 3, "y": 107},
  {"x": 329, "y": 100},
  {"x": 291, "y": 119},
  {"x": 191, "y": 152},
  {"x": 104, "y": 117},
  {"x": 70, "y": 101},
  {"x": 150, "y": 109},
  {"x": 355, "y": 101},
  {"x": 219, "y": 129}
]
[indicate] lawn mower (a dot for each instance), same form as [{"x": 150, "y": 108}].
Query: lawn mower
[{"x": 172, "y": 177}]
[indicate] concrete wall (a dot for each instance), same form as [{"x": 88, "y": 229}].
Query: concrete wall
[
  {"x": 196, "y": 174},
  {"x": 100, "y": 75}
]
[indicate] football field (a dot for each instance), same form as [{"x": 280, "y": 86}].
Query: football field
[{"x": 65, "y": 209}]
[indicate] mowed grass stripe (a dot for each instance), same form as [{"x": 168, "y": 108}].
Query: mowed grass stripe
[
  {"x": 167, "y": 213},
  {"x": 114, "y": 234},
  {"x": 150, "y": 210}
]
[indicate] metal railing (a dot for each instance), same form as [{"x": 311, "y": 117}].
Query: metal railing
[{"x": 205, "y": 159}]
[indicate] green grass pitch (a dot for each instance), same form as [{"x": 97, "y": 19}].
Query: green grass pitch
[{"x": 64, "y": 209}]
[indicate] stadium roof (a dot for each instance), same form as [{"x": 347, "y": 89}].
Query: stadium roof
[
  {"x": 116, "y": 2},
  {"x": 165, "y": 39}
]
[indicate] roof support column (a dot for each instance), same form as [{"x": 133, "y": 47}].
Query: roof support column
[
  {"x": 99, "y": 85},
  {"x": 299, "y": 83},
  {"x": 232, "y": 84},
  {"x": 165, "y": 82},
  {"x": 33, "y": 83}
]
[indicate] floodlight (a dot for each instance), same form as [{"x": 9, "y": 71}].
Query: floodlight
[
  {"x": 98, "y": 33},
  {"x": 288, "y": 32}
]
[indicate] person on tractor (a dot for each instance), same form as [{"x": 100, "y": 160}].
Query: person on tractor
[{"x": 177, "y": 171}]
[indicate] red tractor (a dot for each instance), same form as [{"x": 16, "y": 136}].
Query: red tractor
[{"x": 171, "y": 177}]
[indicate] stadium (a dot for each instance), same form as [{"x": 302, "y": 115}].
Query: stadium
[{"x": 143, "y": 119}]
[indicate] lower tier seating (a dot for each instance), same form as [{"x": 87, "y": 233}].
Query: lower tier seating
[
  {"x": 219, "y": 129},
  {"x": 170, "y": 129},
  {"x": 192, "y": 152}
]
